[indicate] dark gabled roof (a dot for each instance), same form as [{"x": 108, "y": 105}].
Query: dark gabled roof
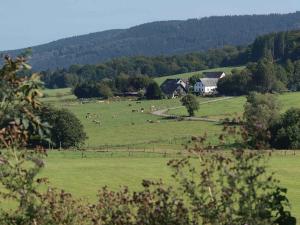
[
  {"x": 216, "y": 74},
  {"x": 169, "y": 86},
  {"x": 209, "y": 82}
]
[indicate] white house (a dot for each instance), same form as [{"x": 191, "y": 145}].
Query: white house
[{"x": 208, "y": 84}]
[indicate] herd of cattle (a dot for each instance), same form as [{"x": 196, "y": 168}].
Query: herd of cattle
[{"x": 96, "y": 118}]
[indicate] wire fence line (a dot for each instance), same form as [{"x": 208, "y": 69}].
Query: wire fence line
[{"x": 163, "y": 153}]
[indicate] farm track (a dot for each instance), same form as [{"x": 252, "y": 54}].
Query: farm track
[{"x": 164, "y": 112}]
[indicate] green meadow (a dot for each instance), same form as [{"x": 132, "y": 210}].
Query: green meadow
[
  {"x": 84, "y": 176},
  {"x": 130, "y": 144},
  {"x": 130, "y": 124},
  {"x": 234, "y": 107}
]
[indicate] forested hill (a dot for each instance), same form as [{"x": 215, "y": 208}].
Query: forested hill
[{"x": 159, "y": 38}]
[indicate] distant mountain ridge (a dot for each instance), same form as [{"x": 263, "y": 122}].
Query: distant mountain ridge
[{"x": 159, "y": 38}]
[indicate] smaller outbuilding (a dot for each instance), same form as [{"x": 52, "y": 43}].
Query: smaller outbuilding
[{"x": 173, "y": 88}]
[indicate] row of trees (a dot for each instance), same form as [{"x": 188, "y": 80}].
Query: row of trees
[
  {"x": 263, "y": 76},
  {"x": 277, "y": 47},
  {"x": 141, "y": 65},
  {"x": 121, "y": 85},
  {"x": 281, "y": 46}
]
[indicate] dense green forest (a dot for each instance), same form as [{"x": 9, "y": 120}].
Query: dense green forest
[
  {"x": 159, "y": 38},
  {"x": 273, "y": 66},
  {"x": 141, "y": 65},
  {"x": 281, "y": 50}
]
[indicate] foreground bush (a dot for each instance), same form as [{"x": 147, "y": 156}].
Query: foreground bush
[{"x": 232, "y": 189}]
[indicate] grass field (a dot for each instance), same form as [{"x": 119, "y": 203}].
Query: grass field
[
  {"x": 130, "y": 132},
  {"x": 122, "y": 128},
  {"x": 227, "y": 70},
  {"x": 84, "y": 176},
  {"x": 234, "y": 107}
]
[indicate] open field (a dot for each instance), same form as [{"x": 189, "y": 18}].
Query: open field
[
  {"x": 227, "y": 70},
  {"x": 234, "y": 107},
  {"x": 84, "y": 176},
  {"x": 120, "y": 127},
  {"x": 162, "y": 139}
]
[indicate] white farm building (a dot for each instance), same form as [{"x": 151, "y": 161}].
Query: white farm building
[{"x": 208, "y": 84}]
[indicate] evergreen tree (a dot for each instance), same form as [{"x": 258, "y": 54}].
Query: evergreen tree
[{"x": 153, "y": 91}]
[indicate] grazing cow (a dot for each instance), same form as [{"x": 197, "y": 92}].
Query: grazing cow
[
  {"x": 135, "y": 110},
  {"x": 88, "y": 115},
  {"x": 97, "y": 122}
]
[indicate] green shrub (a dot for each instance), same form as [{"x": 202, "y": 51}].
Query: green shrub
[
  {"x": 66, "y": 130},
  {"x": 260, "y": 111},
  {"x": 153, "y": 91},
  {"x": 285, "y": 132}
]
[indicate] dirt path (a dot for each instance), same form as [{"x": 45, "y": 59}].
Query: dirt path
[{"x": 164, "y": 112}]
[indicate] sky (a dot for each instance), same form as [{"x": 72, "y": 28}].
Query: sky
[{"x": 25, "y": 23}]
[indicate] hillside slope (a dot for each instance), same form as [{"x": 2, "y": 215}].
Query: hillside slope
[{"x": 159, "y": 38}]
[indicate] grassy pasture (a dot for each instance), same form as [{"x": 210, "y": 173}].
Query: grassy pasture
[
  {"x": 120, "y": 127},
  {"x": 227, "y": 70},
  {"x": 84, "y": 176},
  {"x": 234, "y": 107}
]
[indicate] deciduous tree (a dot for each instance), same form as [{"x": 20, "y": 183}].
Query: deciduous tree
[{"x": 191, "y": 104}]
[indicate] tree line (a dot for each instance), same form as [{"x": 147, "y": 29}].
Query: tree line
[
  {"x": 123, "y": 85},
  {"x": 159, "y": 38},
  {"x": 142, "y": 65},
  {"x": 264, "y": 76},
  {"x": 272, "y": 65}
]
